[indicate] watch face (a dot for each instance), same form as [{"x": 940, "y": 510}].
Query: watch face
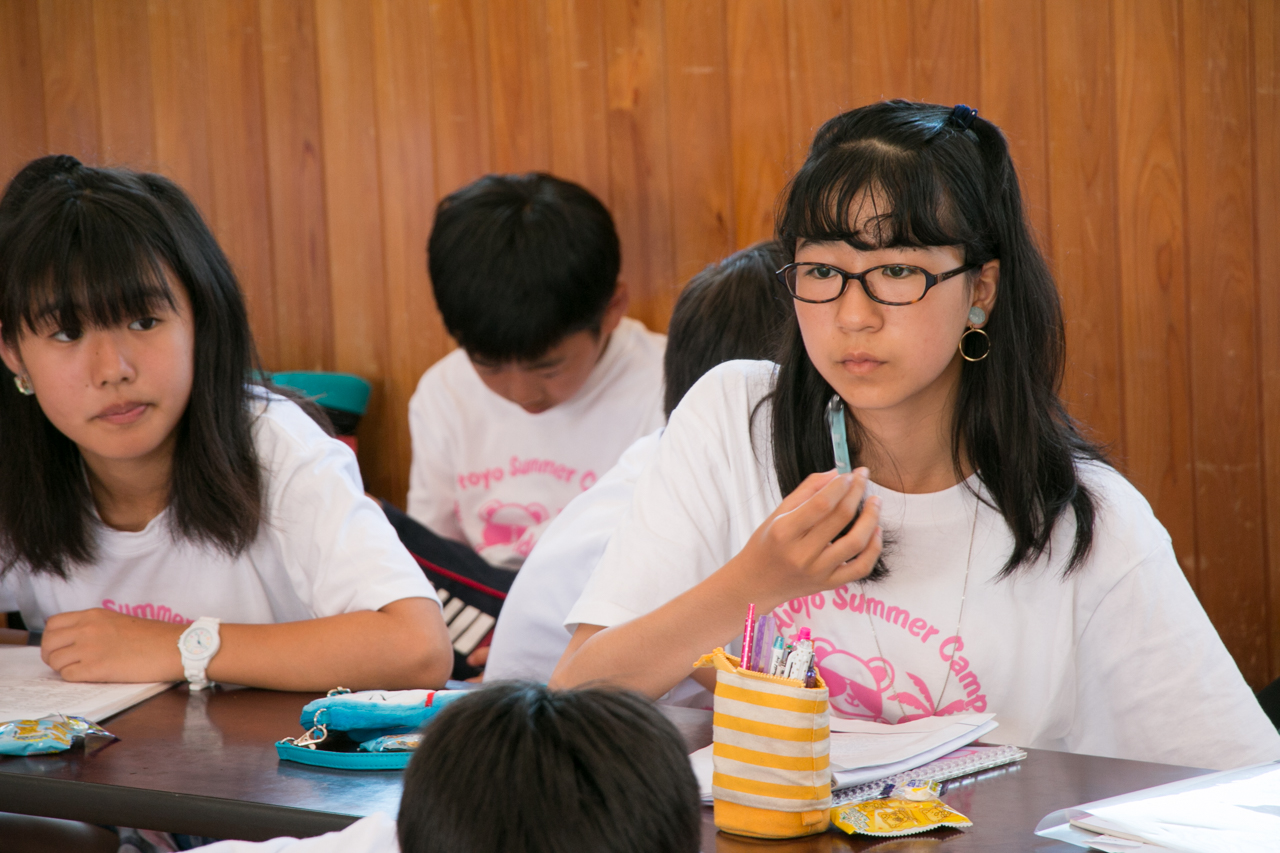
[{"x": 198, "y": 642}]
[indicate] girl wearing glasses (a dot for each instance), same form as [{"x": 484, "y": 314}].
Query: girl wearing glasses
[{"x": 981, "y": 556}]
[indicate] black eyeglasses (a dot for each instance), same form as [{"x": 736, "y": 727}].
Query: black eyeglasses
[{"x": 888, "y": 284}]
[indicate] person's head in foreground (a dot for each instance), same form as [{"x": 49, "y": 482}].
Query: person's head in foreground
[
  {"x": 525, "y": 273},
  {"x": 735, "y": 308},
  {"x": 519, "y": 768}
]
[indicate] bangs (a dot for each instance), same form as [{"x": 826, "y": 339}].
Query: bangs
[
  {"x": 82, "y": 266},
  {"x": 872, "y": 195}
]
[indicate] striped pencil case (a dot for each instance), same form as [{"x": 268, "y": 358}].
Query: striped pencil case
[{"x": 771, "y": 753}]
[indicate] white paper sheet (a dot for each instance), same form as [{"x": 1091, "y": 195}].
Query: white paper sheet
[
  {"x": 1234, "y": 811},
  {"x": 856, "y": 744},
  {"x": 29, "y": 690}
]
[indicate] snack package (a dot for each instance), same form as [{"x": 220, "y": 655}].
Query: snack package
[
  {"x": 47, "y": 735},
  {"x": 902, "y": 810},
  {"x": 393, "y": 743}
]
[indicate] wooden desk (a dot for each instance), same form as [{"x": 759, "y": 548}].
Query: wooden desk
[{"x": 206, "y": 765}]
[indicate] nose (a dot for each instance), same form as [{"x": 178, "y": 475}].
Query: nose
[
  {"x": 110, "y": 361},
  {"x": 856, "y": 311},
  {"x": 526, "y": 391}
]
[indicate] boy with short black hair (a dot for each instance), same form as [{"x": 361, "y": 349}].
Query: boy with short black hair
[
  {"x": 733, "y": 309},
  {"x": 550, "y": 381}
]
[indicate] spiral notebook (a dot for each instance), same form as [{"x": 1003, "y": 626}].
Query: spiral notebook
[{"x": 953, "y": 765}]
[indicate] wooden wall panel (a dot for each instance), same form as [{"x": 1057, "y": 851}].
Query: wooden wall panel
[
  {"x": 520, "y": 96},
  {"x": 945, "y": 50},
  {"x": 700, "y": 147},
  {"x": 70, "y": 78},
  {"x": 1012, "y": 94},
  {"x": 460, "y": 92},
  {"x": 885, "y": 70},
  {"x": 1222, "y": 298},
  {"x": 238, "y": 158},
  {"x": 353, "y": 210},
  {"x": 22, "y": 97},
  {"x": 820, "y": 74},
  {"x": 1150, "y": 185},
  {"x": 639, "y": 168},
  {"x": 300, "y": 249},
  {"x": 124, "y": 83},
  {"x": 318, "y": 136},
  {"x": 1266, "y": 209},
  {"x": 759, "y": 121},
  {"x": 414, "y": 332},
  {"x": 577, "y": 79},
  {"x": 180, "y": 81},
  {"x": 1081, "y": 193}
]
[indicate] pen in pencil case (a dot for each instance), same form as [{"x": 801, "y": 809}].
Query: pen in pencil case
[
  {"x": 801, "y": 659},
  {"x": 778, "y": 657},
  {"x": 748, "y": 637},
  {"x": 762, "y": 645}
]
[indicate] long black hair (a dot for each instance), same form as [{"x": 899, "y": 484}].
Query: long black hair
[
  {"x": 81, "y": 247},
  {"x": 940, "y": 177}
]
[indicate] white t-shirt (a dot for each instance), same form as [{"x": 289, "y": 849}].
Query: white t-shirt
[
  {"x": 530, "y": 637},
  {"x": 373, "y": 834},
  {"x": 488, "y": 473},
  {"x": 324, "y": 549},
  {"x": 1118, "y": 659}
]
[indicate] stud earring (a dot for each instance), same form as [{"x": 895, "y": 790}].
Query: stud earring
[
  {"x": 977, "y": 316},
  {"x": 24, "y": 385}
]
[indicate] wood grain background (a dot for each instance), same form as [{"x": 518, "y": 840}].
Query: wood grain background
[{"x": 317, "y": 136}]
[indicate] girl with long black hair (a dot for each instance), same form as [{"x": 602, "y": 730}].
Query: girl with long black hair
[
  {"x": 982, "y": 556},
  {"x": 163, "y": 515}
]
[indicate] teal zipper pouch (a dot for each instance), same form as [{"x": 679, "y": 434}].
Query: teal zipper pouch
[{"x": 368, "y": 730}]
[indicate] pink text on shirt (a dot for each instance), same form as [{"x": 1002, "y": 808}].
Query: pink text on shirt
[
  {"x": 858, "y": 685},
  {"x": 147, "y": 611}
]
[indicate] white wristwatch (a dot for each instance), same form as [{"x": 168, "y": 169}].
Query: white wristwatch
[{"x": 198, "y": 644}]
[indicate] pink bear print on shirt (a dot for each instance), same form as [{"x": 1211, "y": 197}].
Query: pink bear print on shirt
[
  {"x": 505, "y": 524},
  {"x": 856, "y": 686}
]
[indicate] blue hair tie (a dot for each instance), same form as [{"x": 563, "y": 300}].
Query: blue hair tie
[{"x": 963, "y": 116}]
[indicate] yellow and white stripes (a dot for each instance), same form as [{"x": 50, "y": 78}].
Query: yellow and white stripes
[{"x": 772, "y": 741}]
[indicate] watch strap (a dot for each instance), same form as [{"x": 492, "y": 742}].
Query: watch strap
[{"x": 195, "y": 669}]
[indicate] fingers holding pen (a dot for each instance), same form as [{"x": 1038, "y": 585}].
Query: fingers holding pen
[
  {"x": 841, "y": 500},
  {"x": 854, "y": 555}
]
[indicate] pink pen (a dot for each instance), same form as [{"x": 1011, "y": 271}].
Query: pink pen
[{"x": 748, "y": 636}]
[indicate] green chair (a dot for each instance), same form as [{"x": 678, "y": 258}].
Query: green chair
[{"x": 343, "y": 396}]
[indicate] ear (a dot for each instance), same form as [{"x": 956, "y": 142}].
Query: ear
[
  {"x": 12, "y": 358},
  {"x": 985, "y": 287},
  {"x": 616, "y": 309}
]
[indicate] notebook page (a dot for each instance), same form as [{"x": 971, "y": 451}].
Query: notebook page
[{"x": 29, "y": 690}]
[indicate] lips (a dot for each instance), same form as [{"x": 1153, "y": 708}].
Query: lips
[
  {"x": 860, "y": 363},
  {"x": 123, "y": 413}
]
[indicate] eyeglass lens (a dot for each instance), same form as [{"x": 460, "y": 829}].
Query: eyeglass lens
[{"x": 894, "y": 283}]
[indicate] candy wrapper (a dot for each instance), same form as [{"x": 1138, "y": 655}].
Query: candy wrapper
[
  {"x": 393, "y": 743},
  {"x": 47, "y": 735},
  {"x": 901, "y": 810}
]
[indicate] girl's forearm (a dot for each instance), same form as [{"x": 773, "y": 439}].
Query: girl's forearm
[
  {"x": 405, "y": 645},
  {"x": 653, "y": 653}
]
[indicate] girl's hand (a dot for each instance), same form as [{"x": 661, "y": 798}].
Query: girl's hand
[
  {"x": 792, "y": 554},
  {"x": 102, "y": 645}
]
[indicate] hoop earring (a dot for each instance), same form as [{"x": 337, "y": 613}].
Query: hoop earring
[{"x": 985, "y": 337}]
